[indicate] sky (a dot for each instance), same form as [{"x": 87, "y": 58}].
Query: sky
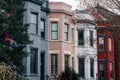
[{"x": 73, "y": 3}]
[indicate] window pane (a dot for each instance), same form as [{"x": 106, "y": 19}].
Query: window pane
[
  {"x": 81, "y": 67},
  {"x": 42, "y": 29},
  {"x": 33, "y": 28},
  {"x": 110, "y": 44},
  {"x": 66, "y": 63},
  {"x": 33, "y": 61},
  {"x": 54, "y": 35},
  {"x": 33, "y": 18},
  {"x": 80, "y": 37},
  {"x": 54, "y": 26},
  {"x": 111, "y": 70},
  {"x": 54, "y": 30},
  {"x": 92, "y": 67},
  {"x": 42, "y": 24},
  {"x": 54, "y": 60},
  {"x": 66, "y": 32},
  {"x": 91, "y": 38},
  {"x": 101, "y": 43},
  {"x": 102, "y": 71},
  {"x": 33, "y": 23}
]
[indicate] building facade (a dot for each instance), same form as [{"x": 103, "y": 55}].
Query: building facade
[
  {"x": 60, "y": 38},
  {"x": 36, "y": 16},
  {"x": 105, "y": 46},
  {"x": 85, "y": 46}
]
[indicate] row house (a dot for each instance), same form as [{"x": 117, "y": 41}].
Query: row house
[
  {"x": 60, "y": 38},
  {"x": 105, "y": 44},
  {"x": 36, "y": 16},
  {"x": 85, "y": 46}
]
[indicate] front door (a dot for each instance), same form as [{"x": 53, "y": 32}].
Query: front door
[{"x": 42, "y": 68}]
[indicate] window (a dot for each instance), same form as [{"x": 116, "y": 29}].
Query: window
[
  {"x": 33, "y": 61},
  {"x": 101, "y": 43},
  {"x": 66, "y": 63},
  {"x": 42, "y": 28},
  {"x": 81, "y": 67},
  {"x": 33, "y": 23},
  {"x": 80, "y": 37},
  {"x": 91, "y": 38},
  {"x": 66, "y": 31},
  {"x": 110, "y": 43},
  {"x": 102, "y": 70},
  {"x": 54, "y": 30},
  {"x": 54, "y": 64},
  {"x": 111, "y": 70},
  {"x": 92, "y": 67}
]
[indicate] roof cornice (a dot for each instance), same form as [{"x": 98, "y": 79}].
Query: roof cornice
[
  {"x": 61, "y": 11},
  {"x": 40, "y": 2}
]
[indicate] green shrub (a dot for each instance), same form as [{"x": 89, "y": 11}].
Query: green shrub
[{"x": 69, "y": 74}]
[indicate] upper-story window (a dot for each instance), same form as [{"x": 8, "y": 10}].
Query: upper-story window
[
  {"x": 101, "y": 43},
  {"x": 91, "y": 38},
  {"x": 66, "y": 32},
  {"x": 42, "y": 28},
  {"x": 33, "y": 23},
  {"x": 110, "y": 43},
  {"x": 54, "y": 30},
  {"x": 80, "y": 37}
]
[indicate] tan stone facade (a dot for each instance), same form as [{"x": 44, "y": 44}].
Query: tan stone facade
[{"x": 61, "y": 14}]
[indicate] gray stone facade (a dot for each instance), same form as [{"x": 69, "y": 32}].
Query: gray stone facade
[{"x": 36, "y": 16}]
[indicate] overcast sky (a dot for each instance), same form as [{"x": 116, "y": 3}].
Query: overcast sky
[{"x": 70, "y": 2}]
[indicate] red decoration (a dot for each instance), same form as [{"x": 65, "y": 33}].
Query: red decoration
[
  {"x": 7, "y": 38},
  {"x": 7, "y": 14}
]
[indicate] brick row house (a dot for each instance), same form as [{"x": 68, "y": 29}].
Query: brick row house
[{"x": 105, "y": 46}]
